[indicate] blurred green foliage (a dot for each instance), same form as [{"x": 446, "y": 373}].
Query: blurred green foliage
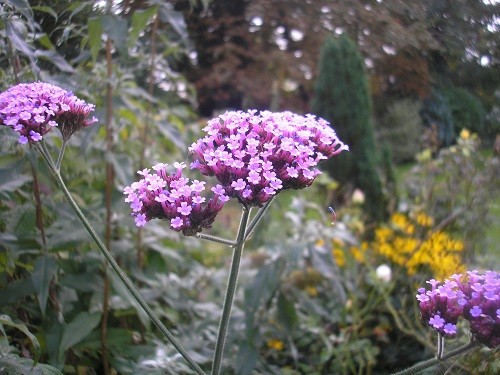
[
  {"x": 401, "y": 129},
  {"x": 466, "y": 109}
]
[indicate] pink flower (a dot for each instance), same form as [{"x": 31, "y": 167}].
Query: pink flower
[
  {"x": 270, "y": 151},
  {"x": 160, "y": 195},
  {"x": 33, "y": 109},
  {"x": 474, "y": 297}
]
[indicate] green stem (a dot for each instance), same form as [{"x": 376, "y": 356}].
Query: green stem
[
  {"x": 231, "y": 289},
  {"x": 440, "y": 346},
  {"x": 256, "y": 219},
  {"x": 61, "y": 154},
  {"x": 435, "y": 361},
  {"x": 109, "y": 257},
  {"x": 216, "y": 239}
]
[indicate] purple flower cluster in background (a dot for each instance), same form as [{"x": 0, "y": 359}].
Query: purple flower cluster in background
[
  {"x": 33, "y": 109},
  {"x": 255, "y": 156},
  {"x": 159, "y": 195},
  {"x": 474, "y": 296}
]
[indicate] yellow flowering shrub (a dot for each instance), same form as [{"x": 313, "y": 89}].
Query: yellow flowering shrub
[{"x": 410, "y": 242}]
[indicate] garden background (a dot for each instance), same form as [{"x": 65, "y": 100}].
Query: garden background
[{"x": 411, "y": 87}]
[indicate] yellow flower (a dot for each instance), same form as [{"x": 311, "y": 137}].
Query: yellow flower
[
  {"x": 319, "y": 243},
  {"x": 434, "y": 251},
  {"x": 311, "y": 290},
  {"x": 338, "y": 256},
  {"x": 399, "y": 220},
  {"x": 357, "y": 254},
  {"x": 424, "y": 220},
  {"x": 275, "y": 344},
  {"x": 464, "y": 134}
]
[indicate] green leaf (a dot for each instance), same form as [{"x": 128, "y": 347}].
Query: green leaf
[
  {"x": 175, "y": 19},
  {"x": 17, "y": 33},
  {"x": 263, "y": 286},
  {"x": 7, "y": 321},
  {"x": 23, "y": 7},
  {"x": 44, "y": 270},
  {"x": 45, "y": 41},
  {"x": 12, "y": 183},
  {"x": 56, "y": 59},
  {"x": 46, "y": 9},
  {"x": 15, "y": 290},
  {"x": 76, "y": 7},
  {"x": 287, "y": 315},
  {"x": 247, "y": 358},
  {"x": 140, "y": 20},
  {"x": 95, "y": 30},
  {"x": 116, "y": 28},
  {"x": 124, "y": 293},
  {"x": 14, "y": 365},
  {"x": 74, "y": 332}
]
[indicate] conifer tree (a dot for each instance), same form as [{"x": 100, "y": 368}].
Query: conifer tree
[{"x": 342, "y": 97}]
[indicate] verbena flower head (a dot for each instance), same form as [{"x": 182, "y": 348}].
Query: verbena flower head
[
  {"x": 474, "y": 296},
  {"x": 160, "y": 195},
  {"x": 256, "y": 155},
  {"x": 33, "y": 109}
]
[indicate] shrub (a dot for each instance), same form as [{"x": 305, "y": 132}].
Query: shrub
[
  {"x": 436, "y": 114},
  {"x": 341, "y": 96},
  {"x": 401, "y": 129},
  {"x": 467, "y": 110},
  {"x": 456, "y": 189}
]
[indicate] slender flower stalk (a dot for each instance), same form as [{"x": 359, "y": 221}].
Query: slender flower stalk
[
  {"x": 257, "y": 218},
  {"x": 111, "y": 261},
  {"x": 208, "y": 237},
  {"x": 415, "y": 369},
  {"x": 230, "y": 291}
]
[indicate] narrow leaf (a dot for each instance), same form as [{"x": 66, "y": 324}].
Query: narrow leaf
[
  {"x": 83, "y": 324},
  {"x": 247, "y": 359},
  {"x": 44, "y": 270},
  {"x": 46, "y": 9},
  {"x": 287, "y": 315},
  {"x": 140, "y": 20},
  {"x": 23, "y": 7},
  {"x": 116, "y": 28},
  {"x": 175, "y": 19},
  {"x": 95, "y": 34},
  {"x": 124, "y": 293},
  {"x": 56, "y": 59},
  {"x": 7, "y": 321},
  {"x": 16, "y": 35}
]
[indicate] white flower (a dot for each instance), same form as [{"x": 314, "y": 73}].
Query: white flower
[{"x": 384, "y": 273}]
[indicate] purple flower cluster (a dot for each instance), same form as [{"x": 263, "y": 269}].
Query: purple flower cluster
[
  {"x": 474, "y": 296},
  {"x": 159, "y": 195},
  {"x": 255, "y": 156},
  {"x": 33, "y": 109}
]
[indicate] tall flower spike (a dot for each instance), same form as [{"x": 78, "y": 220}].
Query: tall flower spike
[
  {"x": 33, "y": 109},
  {"x": 255, "y": 156},
  {"x": 159, "y": 195},
  {"x": 474, "y": 296}
]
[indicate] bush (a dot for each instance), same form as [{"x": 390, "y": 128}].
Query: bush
[
  {"x": 456, "y": 188},
  {"x": 401, "y": 129},
  {"x": 467, "y": 110},
  {"x": 436, "y": 115},
  {"x": 342, "y": 97}
]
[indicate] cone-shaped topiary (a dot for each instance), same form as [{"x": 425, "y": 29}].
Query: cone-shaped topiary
[{"x": 341, "y": 96}]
